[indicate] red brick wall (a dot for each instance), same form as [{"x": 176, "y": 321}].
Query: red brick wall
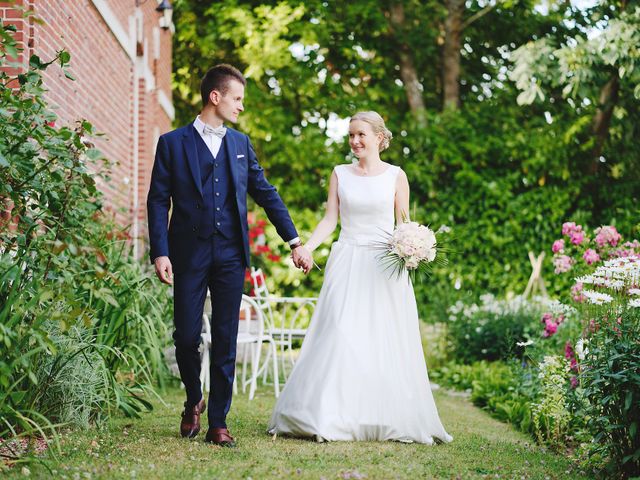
[{"x": 107, "y": 81}]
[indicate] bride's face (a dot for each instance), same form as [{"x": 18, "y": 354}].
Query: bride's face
[{"x": 362, "y": 140}]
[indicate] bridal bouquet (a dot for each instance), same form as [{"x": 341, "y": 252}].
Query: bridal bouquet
[{"x": 412, "y": 248}]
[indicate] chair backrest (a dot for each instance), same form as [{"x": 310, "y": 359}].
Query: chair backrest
[
  {"x": 252, "y": 319},
  {"x": 261, "y": 294},
  {"x": 260, "y": 288}
]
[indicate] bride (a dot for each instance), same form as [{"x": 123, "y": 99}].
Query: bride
[{"x": 361, "y": 373}]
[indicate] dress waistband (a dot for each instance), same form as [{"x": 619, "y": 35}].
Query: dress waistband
[{"x": 360, "y": 242}]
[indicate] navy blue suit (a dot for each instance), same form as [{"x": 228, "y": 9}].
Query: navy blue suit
[{"x": 207, "y": 241}]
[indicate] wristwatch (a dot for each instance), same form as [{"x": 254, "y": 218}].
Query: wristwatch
[{"x": 295, "y": 245}]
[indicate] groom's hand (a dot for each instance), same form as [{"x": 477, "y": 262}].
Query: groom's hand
[
  {"x": 302, "y": 258},
  {"x": 164, "y": 270}
]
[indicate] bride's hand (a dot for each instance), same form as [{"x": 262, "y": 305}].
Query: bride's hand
[{"x": 302, "y": 258}]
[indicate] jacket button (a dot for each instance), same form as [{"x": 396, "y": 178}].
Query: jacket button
[{"x": 195, "y": 229}]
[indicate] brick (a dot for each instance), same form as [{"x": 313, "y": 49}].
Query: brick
[{"x": 103, "y": 91}]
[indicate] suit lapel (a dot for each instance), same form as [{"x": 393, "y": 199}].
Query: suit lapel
[
  {"x": 191, "y": 152},
  {"x": 230, "y": 147}
]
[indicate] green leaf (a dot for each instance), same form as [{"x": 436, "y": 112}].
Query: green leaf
[
  {"x": 46, "y": 295},
  {"x": 68, "y": 74},
  {"x": 11, "y": 50},
  {"x": 3, "y": 161},
  {"x": 94, "y": 154},
  {"x": 64, "y": 57},
  {"x": 35, "y": 62}
]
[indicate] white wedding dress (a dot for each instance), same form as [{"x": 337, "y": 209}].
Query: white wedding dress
[{"x": 361, "y": 373}]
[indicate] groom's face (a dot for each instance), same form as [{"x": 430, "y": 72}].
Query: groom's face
[{"x": 229, "y": 105}]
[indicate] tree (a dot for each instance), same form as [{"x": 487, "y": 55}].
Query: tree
[
  {"x": 504, "y": 175},
  {"x": 591, "y": 66}
]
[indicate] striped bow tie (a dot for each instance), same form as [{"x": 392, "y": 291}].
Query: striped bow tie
[{"x": 218, "y": 132}]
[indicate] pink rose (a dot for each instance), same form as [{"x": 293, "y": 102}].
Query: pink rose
[
  {"x": 562, "y": 263},
  {"x": 591, "y": 256},
  {"x": 607, "y": 235},
  {"x": 576, "y": 237},
  {"x": 568, "y": 350},
  {"x": 569, "y": 227},
  {"x": 558, "y": 246},
  {"x": 550, "y": 328},
  {"x": 576, "y": 293}
]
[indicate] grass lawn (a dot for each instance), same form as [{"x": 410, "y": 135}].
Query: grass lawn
[{"x": 151, "y": 448}]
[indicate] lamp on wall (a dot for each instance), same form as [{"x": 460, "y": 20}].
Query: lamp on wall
[{"x": 166, "y": 9}]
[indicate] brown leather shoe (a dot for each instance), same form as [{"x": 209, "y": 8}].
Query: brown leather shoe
[
  {"x": 220, "y": 436},
  {"x": 190, "y": 423}
]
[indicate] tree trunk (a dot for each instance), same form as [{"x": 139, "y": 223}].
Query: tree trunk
[
  {"x": 602, "y": 119},
  {"x": 451, "y": 54},
  {"x": 408, "y": 72}
]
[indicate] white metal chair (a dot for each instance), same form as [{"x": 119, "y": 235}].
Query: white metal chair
[
  {"x": 287, "y": 331},
  {"x": 251, "y": 336}
]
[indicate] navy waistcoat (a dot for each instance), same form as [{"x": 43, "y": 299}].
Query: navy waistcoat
[{"x": 220, "y": 213}]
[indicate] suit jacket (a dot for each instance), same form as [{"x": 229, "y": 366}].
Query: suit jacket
[{"x": 176, "y": 186}]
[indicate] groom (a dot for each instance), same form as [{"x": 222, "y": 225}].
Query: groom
[{"x": 202, "y": 175}]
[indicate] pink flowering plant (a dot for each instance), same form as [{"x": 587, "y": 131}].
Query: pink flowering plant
[
  {"x": 606, "y": 272},
  {"x": 577, "y": 251},
  {"x": 606, "y": 268}
]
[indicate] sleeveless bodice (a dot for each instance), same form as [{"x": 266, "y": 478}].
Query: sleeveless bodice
[{"x": 367, "y": 205}]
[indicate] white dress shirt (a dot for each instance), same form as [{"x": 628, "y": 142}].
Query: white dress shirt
[{"x": 212, "y": 141}]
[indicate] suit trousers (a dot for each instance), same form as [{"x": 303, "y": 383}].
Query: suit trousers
[{"x": 219, "y": 266}]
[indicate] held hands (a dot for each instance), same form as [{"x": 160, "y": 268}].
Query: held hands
[
  {"x": 164, "y": 271},
  {"x": 302, "y": 258}
]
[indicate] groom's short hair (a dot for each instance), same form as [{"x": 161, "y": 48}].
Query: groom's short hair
[{"x": 217, "y": 78}]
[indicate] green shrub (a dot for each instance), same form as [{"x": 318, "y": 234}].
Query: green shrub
[
  {"x": 504, "y": 390},
  {"x": 551, "y": 416},
  {"x": 610, "y": 377},
  {"x": 492, "y": 329},
  {"x": 82, "y": 326}
]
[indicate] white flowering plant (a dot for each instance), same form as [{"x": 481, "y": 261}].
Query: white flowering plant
[
  {"x": 614, "y": 282},
  {"x": 413, "y": 248}
]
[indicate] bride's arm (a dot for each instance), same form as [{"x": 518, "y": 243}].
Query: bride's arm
[
  {"x": 327, "y": 225},
  {"x": 402, "y": 197}
]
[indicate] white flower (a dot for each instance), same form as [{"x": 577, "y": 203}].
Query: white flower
[
  {"x": 524, "y": 344},
  {"x": 581, "y": 349},
  {"x": 587, "y": 279},
  {"x": 597, "y": 298},
  {"x": 634, "y": 291},
  {"x": 443, "y": 229},
  {"x": 635, "y": 303},
  {"x": 614, "y": 284}
]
